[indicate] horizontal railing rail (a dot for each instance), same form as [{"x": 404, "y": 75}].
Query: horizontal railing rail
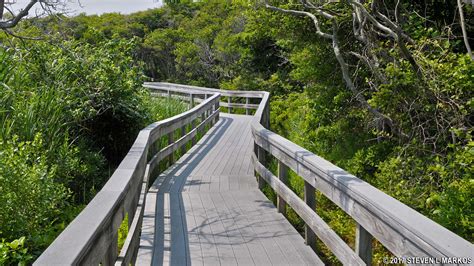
[
  {"x": 91, "y": 238},
  {"x": 231, "y": 96}
]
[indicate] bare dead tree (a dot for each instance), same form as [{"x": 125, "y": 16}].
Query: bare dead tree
[
  {"x": 364, "y": 25},
  {"x": 463, "y": 28},
  {"x": 9, "y": 19}
]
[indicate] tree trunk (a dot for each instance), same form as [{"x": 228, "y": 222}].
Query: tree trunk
[{"x": 2, "y": 7}]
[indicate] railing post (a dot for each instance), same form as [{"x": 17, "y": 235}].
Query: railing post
[
  {"x": 183, "y": 133},
  {"x": 193, "y": 140},
  {"x": 247, "y": 107},
  {"x": 207, "y": 110},
  {"x": 261, "y": 159},
  {"x": 203, "y": 117},
  {"x": 216, "y": 107},
  {"x": 229, "y": 109},
  {"x": 267, "y": 116},
  {"x": 310, "y": 199},
  {"x": 191, "y": 101},
  {"x": 363, "y": 244},
  {"x": 169, "y": 94},
  {"x": 283, "y": 176},
  {"x": 171, "y": 141},
  {"x": 112, "y": 251}
]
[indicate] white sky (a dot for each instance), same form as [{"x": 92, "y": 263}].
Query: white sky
[{"x": 102, "y": 6}]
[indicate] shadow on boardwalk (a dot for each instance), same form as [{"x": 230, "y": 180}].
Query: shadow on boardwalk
[
  {"x": 171, "y": 183},
  {"x": 214, "y": 221}
]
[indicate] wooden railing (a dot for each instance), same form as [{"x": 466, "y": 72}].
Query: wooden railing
[
  {"x": 246, "y": 100},
  {"x": 403, "y": 231},
  {"x": 91, "y": 238}
]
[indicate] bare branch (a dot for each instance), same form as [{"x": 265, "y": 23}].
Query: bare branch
[
  {"x": 358, "y": 6},
  {"x": 23, "y": 13},
  {"x": 463, "y": 28},
  {"x": 302, "y": 13},
  {"x": 372, "y": 67},
  {"x": 51, "y": 7},
  {"x": 382, "y": 119},
  {"x": 9, "y": 32}
]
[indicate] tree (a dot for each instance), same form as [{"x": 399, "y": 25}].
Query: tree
[
  {"x": 377, "y": 41},
  {"x": 463, "y": 27},
  {"x": 363, "y": 24},
  {"x": 8, "y": 18}
]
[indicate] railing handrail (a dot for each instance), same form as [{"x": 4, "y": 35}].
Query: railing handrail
[
  {"x": 89, "y": 238},
  {"x": 199, "y": 90},
  {"x": 429, "y": 239}
]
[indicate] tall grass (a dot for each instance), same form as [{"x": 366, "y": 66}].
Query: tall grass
[{"x": 160, "y": 108}]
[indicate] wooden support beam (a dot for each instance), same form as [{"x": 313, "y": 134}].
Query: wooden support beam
[
  {"x": 171, "y": 141},
  {"x": 247, "y": 110},
  {"x": 363, "y": 244},
  {"x": 216, "y": 107},
  {"x": 203, "y": 115},
  {"x": 310, "y": 199},
  {"x": 267, "y": 116},
  {"x": 261, "y": 159},
  {"x": 193, "y": 125},
  {"x": 345, "y": 254},
  {"x": 112, "y": 252},
  {"x": 206, "y": 113},
  {"x": 183, "y": 133},
  {"x": 283, "y": 176}
]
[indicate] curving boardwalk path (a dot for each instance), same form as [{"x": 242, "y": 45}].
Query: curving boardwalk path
[{"x": 206, "y": 209}]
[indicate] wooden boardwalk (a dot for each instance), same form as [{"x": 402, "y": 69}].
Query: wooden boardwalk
[{"x": 206, "y": 209}]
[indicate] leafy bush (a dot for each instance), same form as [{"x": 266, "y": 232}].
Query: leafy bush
[
  {"x": 30, "y": 198},
  {"x": 98, "y": 87},
  {"x": 14, "y": 252},
  {"x": 69, "y": 111}
]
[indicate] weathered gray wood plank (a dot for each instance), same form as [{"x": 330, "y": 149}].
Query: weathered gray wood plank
[
  {"x": 231, "y": 226},
  {"x": 224, "y": 248},
  {"x": 216, "y": 229},
  {"x": 195, "y": 251},
  {"x": 209, "y": 250}
]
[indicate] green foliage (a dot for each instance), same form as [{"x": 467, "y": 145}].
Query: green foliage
[
  {"x": 31, "y": 200},
  {"x": 161, "y": 108},
  {"x": 122, "y": 233},
  {"x": 69, "y": 111},
  {"x": 441, "y": 188},
  {"x": 14, "y": 253}
]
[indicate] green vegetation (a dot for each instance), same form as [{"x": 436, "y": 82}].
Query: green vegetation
[
  {"x": 405, "y": 127},
  {"x": 69, "y": 112}
]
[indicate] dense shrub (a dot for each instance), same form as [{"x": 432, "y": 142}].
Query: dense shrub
[
  {"x": 69, "y": 111},
  {"x": 14, "y": 252},
  {"x": 31, "y": 200}
]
